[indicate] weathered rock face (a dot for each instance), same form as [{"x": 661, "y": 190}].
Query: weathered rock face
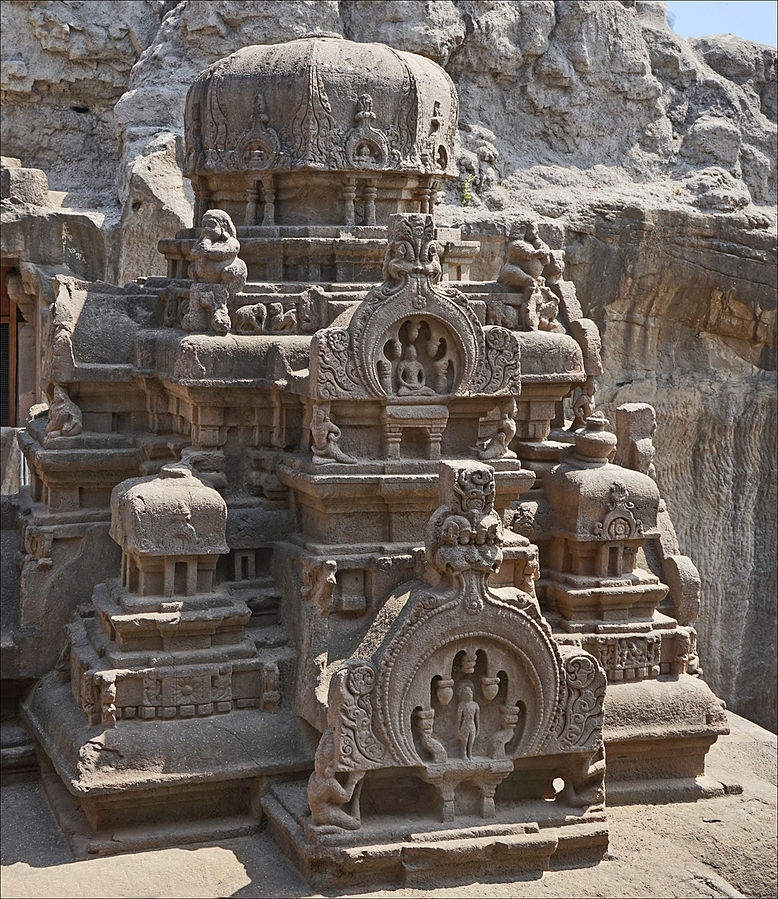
[{"x": 650, "y": 157}]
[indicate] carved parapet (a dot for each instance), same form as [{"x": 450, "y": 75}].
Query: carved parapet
[
  {"x": 587, "y": 336},
  {"x": 635, "y": 430},
  {"x": 682, "y": 577}
]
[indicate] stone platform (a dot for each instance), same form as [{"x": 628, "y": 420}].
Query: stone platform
[
  {"x": 724, "y": 846},
  {"x": 530, "y": 837}
]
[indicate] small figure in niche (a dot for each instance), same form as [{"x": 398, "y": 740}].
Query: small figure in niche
[
  {"x": 410, "y": 374},
  {"x": 437, "y": 348},
  {"x": 425, "y": 719},
  {"x": 467, "y": 720},
  {"x": 363, "y": 155}
]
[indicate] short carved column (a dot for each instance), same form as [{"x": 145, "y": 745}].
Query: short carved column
[
  {"x": 448, "y": 811},
  {"x": 349, "y": 194},
  {"x": 252, "y": 204},
  {"x": 370, "y": 194},
  {"x": 487, "y": 799},
  {"x": 433, "y": 442},
  {"x": 169, "y": 569},
  {"x": 191, "y": 577},
  {"x": 269, "y": 201},
  {"x": 393, "y": 437}
]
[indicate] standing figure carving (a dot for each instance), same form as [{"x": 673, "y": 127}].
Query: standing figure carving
[
  {"x": 218, "y": 274},
  {"x": 467, "y": 720}
]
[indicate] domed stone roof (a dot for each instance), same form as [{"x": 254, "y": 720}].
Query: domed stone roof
[
  {"x": 323, "y": 103},
  {"x": 169, "y": 514}
]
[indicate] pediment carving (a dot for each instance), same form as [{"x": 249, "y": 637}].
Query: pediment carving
[
  {"x": 413, "y": 337},
  {"x": 455, "y": 678}
]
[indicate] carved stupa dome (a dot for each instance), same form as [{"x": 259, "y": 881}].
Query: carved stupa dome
[{"x": 321, "y": 103}]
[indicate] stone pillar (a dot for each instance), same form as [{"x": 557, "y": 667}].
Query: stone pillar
[
  {"x": 200, "y": 188},
  {"x": 349, "y": 193},
  {"x": 269, "y": 200},
  {"x": 447, "y": 796},
  {"x": 253, "y": 204},
  {"x": 370, "y": 194}
]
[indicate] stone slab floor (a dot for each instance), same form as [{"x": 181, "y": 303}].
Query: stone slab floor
[{"x": 710, "y": 848}]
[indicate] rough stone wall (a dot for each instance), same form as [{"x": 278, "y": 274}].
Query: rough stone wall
[{"x": 651, "y": 159}]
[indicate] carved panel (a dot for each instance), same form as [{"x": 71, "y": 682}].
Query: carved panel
[{"x": 619, "y": 523}]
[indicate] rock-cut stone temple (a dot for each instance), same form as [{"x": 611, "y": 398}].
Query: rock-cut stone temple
[{"x": 353, "y": 575}]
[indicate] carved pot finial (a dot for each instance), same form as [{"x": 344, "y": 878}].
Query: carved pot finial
[{"x": 593, "y": 443}]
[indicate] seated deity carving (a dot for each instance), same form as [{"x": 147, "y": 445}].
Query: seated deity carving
[
  {"x": 416, "y": 360},
  {"x": 410, "y": 374},
  {"x": 218, "y": 274},
  {"x": 532, "y": 306},
  {"x": 327, "y": 796},
  {"x": 65, "y": 418},
  {"x": 324, "y": 436},
  {"x": 528, "y": 255}
]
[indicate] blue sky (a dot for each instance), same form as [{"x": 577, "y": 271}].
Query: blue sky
[{"x": 754, "y": 20}]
